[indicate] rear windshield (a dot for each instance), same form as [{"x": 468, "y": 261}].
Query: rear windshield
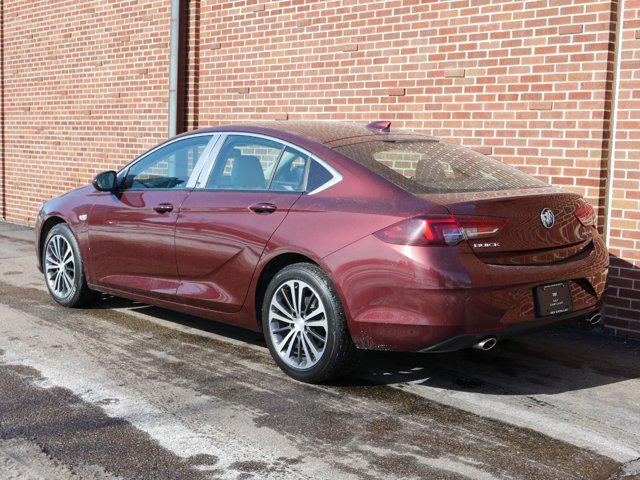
[{"x": 437, "y": 167}]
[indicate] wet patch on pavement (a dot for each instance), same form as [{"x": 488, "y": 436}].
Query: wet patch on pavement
[{"x": 78, "y": 434}]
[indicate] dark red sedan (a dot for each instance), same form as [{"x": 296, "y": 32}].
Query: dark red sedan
[{"x": 329, "y": 238}]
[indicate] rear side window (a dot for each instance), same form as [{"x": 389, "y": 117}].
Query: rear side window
[
  {"x": 245, "y": 163},
  {"x": 437, "y": 167},
  {"x": 255, "y": 163}
]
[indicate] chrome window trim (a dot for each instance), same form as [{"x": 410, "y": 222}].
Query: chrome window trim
[
  {"x": 202, "y": 161},
  {"x": 213, "y": 157},
  {"x": 196, "y": 168},
  {"x": 207, "y": 169}
]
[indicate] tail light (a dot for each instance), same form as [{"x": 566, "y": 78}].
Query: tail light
[
  {"x": 440, "y": 230},
  {"x": 586, "y": 215}
]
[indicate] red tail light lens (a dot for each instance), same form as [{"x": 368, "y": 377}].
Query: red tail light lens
[
  {"x": 586, "y": 215},
  {"x": 440, "y": 230}
]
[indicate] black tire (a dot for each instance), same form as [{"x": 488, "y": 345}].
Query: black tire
[
  {"x": 79, "y": 294},
  {"x": 340, "y": 354}
]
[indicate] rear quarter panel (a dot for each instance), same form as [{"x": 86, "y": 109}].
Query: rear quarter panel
[{"x": 323, "y": 223}]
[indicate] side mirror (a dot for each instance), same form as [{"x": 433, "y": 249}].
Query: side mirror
[{"x": 105, "y": 181}]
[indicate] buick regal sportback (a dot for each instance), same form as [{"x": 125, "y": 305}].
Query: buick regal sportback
[{"x": 329, "y": 238}]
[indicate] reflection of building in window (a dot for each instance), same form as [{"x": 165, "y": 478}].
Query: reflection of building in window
[
  {"x": 402, "y": 162},
  {"x": 177, "y": 164},
  {"x": 267, "y": 156},
  {"x": 169, "y": 167},
  {"x": 437, "y": 166}
]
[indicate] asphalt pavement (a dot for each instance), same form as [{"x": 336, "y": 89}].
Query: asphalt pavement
[{"x": 126, "y": 390}]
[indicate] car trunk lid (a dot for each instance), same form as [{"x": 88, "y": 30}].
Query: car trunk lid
[{"x": 524, "y": 240}]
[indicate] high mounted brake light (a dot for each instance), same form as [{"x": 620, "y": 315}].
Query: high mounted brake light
[
  {"x": 380, "y": 126},
  {"x": 440, "y": 230}
]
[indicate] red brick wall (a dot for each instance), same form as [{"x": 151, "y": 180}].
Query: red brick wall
[
  {"x": 623, "y": 309},
  {"x": 528, "y": 82},
  {"x": 518, "y": 80},
  {"x": 85, "y": 90}
]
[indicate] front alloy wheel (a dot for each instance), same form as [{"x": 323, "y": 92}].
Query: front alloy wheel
[
  {"x": 64, "y": 268},
  {"x": 60, "y": 267}
]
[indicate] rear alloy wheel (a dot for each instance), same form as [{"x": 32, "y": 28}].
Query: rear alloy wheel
[
  {"x": 304, "y": 325},
  {"x": 298, "y": 324},
  {"x": 63, "y": 268}
]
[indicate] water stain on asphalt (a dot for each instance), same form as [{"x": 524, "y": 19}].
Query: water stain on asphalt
[
  {"x": 259, "y": 469},
  {"x": 78, "y": 433},
  {"x": 202, "y": 459}
]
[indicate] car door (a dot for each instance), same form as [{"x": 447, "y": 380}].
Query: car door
[
  {"x": 131, "y": 231},
  {"x": 226, "y": 222}
]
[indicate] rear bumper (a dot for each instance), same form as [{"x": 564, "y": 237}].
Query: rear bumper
[
  {"x": 439, "y": 299},
  {"x": 468, "y": 340}
]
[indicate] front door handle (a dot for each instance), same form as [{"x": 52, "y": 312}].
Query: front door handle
[
  {"x": 263, "y": 208},
  {"x": 163, "y": 208}
]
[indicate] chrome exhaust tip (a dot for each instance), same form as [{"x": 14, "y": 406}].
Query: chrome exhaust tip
[
  {"x": 594, "y": 319},
  {"x": 486, "y": 343}
]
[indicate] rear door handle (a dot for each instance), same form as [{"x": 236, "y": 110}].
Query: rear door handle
[
  {"x": 163, "y": 208},
  {"x": 263, "y": 208}
]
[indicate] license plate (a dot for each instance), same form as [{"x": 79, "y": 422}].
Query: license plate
[{"x": 553, "y": 299}]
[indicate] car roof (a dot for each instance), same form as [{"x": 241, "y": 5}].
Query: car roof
[{"x": 328, "y": 133}]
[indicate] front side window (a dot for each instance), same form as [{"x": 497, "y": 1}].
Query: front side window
[
  {"x": 427, "y": 166},
  {"x": 245, "y": 163},
  {"x": 168, "y": 167}
]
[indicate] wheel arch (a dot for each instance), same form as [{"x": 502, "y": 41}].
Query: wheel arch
[
  {"x": 273, "y": 266},
  {"x": 47, "y": 225}
]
